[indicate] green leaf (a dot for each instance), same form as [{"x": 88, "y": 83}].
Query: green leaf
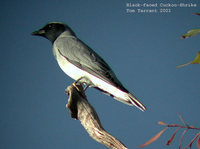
[
  {"x": 197, "y": 13},
  {"x": 190, "y": 33},
  {"x": 195, "y": 61}
]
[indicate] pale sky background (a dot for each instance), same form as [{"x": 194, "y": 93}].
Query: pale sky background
[{"x": 142, "y": 49}]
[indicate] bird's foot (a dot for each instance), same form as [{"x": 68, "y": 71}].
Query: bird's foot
[{"x": 84, "y": 82}]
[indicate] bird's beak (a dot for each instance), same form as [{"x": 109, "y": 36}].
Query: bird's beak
[{"x": 40, "y": 32}]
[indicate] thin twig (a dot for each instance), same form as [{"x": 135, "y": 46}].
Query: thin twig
[
  {"x": 179, "y": 114},
  {"x": 182, "y": 137},
  {"x": 188, "y": 127},
  {"x": 189, "y": 145}
]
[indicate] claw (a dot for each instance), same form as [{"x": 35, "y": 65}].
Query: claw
[
  {"x": 86, "y": 86},
  {"x": 84, "y": 82},
  {"x": 67, "y": 91}
]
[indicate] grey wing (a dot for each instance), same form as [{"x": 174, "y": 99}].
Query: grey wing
[{"x": 85, "y": 58}]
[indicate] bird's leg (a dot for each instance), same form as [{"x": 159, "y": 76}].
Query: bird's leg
[
  {"x": 78, "y": 81},
  {"x": 86, "y": 86},
  {"x": 85, "y": 81}
]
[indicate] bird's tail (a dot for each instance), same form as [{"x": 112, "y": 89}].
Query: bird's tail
[
  {"x": 136, "y": 102},
  {"x": 131, "y": 100},
  {"x": 123, "y": 96}
]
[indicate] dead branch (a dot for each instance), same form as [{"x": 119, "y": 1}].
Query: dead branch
[{"x": 81, "y": 109}]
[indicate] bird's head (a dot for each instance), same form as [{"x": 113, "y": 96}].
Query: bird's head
[{"x": 52, "y": 30}]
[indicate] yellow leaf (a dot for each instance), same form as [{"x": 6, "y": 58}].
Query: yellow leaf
[
  {"x": 190, "y": 33},
  {"x": 195, "y": 61}
]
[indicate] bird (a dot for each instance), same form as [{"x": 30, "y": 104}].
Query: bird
[{"x": 83, "y": 64}]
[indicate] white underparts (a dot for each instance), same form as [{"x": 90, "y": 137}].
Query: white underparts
[{"x": 76, "y": 73}]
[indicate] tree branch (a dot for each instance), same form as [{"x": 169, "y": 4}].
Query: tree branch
[{"x": 81, "y": 109}]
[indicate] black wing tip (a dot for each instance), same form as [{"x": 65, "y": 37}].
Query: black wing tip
[
  {"x": 133, "y": 101},
  {"x": 137, "y": 103}
]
